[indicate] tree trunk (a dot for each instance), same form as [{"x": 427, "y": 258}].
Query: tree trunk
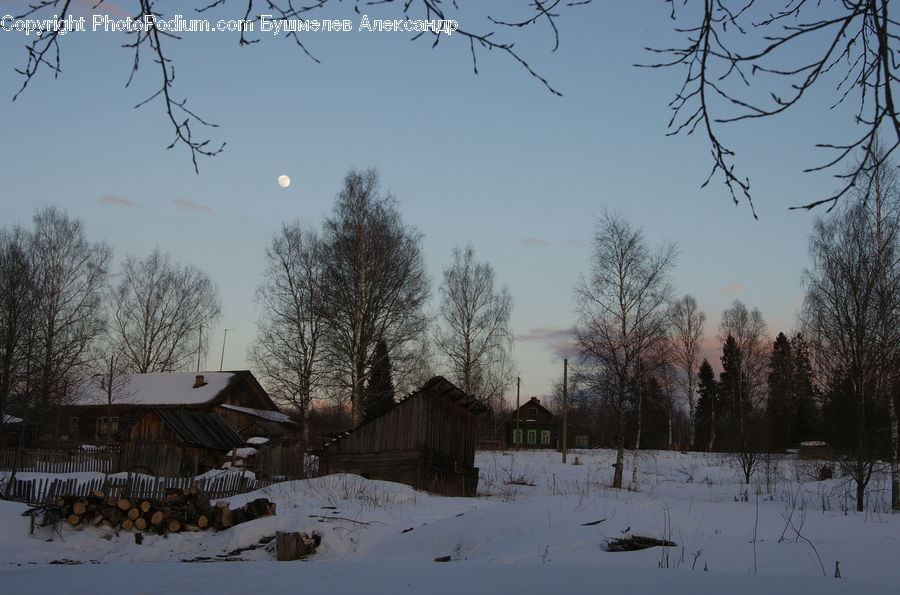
[
  {"x": 620, "y": 451},
  {"x": 895, "y": 459}
]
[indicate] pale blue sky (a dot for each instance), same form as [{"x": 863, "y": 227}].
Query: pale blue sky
[{"x": 492, "y": 159}]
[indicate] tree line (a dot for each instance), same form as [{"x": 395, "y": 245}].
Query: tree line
[
  {"x": 343, "y": 315},
  {"x": 640, "y": 380}
]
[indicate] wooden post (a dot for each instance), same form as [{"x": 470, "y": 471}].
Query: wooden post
[{"x": 565, "y": 428}]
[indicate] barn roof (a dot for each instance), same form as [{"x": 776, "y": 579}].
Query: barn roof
[
  {"x": 206, "y": 430},
  {"x": 164, "y": 388},
  {"x": 438, "y": 386},
  {"x": 444, "y": 388},
  {"x": 265, "y": 414}
]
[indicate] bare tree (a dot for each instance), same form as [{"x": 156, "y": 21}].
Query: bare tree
[
  {"x": 16, "y": 312},
  {"x": 882, "y": 209},
  {"x": 158, "y": 311},
  {"x": 288, "y": 350},
  {"x": 739, "y": 60},
  {"x": 475, "y": 337},
  {"x": 687, "y": 326},
  {"x": 69, "y": 278},
  {"x": 749, "y": 332},
  {"x": 487, "y": 32},
  {"x": 110, "y": 387},
  {"x": 622, "y": 311},
  {"x": 841, "y": 315},
  {"x": 374, "y": 282}
]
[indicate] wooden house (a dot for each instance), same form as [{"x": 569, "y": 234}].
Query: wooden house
[
  {"x": 534, "y": 426},
  {"x": 235, "y": 396},
  {"x": 427, "y": 441}
]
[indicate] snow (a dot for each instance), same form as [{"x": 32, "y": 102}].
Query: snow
[
  {"x": 531, "y": 529},
  {"x": 11, "y": 419},
  {"x": 814, "y": 443},
  {"x": 170, "y": 388},
  {"x": 243, "y": 453},
  {"x": 257, "y": 440},
  {"x": 261, "y": 413}
]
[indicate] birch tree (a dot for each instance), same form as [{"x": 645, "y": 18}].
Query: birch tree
[
  {"x": 622, "y": 310},
  {"x": 687, "y": 335},
  {"x": 374, "y": 282},
  {"x": 69, "y": 279},
  {"x": 288, "y": 351},
  {"x": 475, "y": 337}
]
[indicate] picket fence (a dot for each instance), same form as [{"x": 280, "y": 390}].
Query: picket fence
[{"x": 140, "y": 487}]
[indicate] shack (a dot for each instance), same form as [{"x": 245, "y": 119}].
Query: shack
[
  {"x": 170, "y": 441},
  {"x": 427, "y": 441}
]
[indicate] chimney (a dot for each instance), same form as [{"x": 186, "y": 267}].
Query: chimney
[{"x": 198, "y": 381}]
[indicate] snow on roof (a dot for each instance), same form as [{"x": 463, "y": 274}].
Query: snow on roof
[
  {"x": 243, "y": 453},
  {"x": 11, "y": 419},
  {"x": 262, "y": 413},
  {"x": 810, "y": 443},
  {"x": 165, "y": 388},
  {"x": 257, "y": 440}
]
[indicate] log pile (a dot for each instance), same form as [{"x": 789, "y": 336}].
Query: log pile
[{"x": 186, "y": 509}]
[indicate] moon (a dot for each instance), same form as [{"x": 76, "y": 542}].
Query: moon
[{"x": 284, "y": 181}]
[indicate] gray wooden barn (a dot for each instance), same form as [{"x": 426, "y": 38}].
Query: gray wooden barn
[{"x": 427, "y": 441}]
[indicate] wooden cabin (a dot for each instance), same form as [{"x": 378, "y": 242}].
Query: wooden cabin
[
  {"x": 427, "y": 441},
  {"x": 534, "y": 426},
  {"x": 172, "y": 441},
  {"x": 236, "y": 396}
]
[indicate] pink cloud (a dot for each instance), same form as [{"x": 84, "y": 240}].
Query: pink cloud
[
  {"x": 102, "y": 7},
  {"x": 533, "y": 241},
  {"x": 546, "y": 333},
  {"x": 189, "y": 205},
  {"x": 560, "y": 340},
  {"x": 109, "y": 199},
  {"x": 734, "y": 288}
]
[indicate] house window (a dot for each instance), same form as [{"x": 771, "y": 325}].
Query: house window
[
  {"x": 107, "y": 425},
  {"x": 532, "y": 411},
  {"x": 532, "y": 436},
  {"x": 517, "y": 436},
  {"x": 545, "y": 437},
  {"x": 73, "y": 425}
]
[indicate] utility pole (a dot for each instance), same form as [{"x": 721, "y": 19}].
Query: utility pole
[
  {"x": 518, "y": 431},
  {"x": 565, "y": 428},
  {"x": 225, "y": 338},
  {"x": 199, "y": 346}
]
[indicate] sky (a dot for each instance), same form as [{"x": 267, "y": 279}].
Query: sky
[{"x": 491, "y": 159}]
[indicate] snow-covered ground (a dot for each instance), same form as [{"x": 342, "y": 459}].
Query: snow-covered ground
[{"x": 533, "y": 529}]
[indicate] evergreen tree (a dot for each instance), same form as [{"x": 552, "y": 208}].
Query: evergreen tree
[
  {"x": 807, "y": 420},
  {"x": 379, "y": 394},
  {"x": 733, "y": 406},
  {"x": 705, "y": 414},
  {"x": 781, "y": 406}
]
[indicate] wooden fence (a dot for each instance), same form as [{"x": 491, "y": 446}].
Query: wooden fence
[
  {"x": 141, "y": 487},
  {"x": 45, "y": 460}
]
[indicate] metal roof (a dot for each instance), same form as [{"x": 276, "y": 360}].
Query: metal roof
[{"x": 206, "y": 430}]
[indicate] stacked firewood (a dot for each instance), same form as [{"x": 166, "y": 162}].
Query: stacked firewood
[{"x": 186, "y": 509}]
